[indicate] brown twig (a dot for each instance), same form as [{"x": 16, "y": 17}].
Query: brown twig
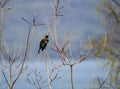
[
  {"x": 23, "y": 60},
  {"x": 33, "y": 22},
  {"x": 6, "y": 79},
  {"x": 4, "y": 3}
]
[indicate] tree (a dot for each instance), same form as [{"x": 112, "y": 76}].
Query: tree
[{"x": 109, "y": 45}]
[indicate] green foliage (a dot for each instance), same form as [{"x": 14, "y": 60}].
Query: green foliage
[{"x": 108, "y": 47}]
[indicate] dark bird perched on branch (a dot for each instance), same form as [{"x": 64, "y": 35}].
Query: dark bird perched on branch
[{"x": 43, "y": 43}]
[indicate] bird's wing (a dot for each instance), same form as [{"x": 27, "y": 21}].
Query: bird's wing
[
  {"x": 47, "y": 40},
  {"x": 42, "y": 43}
]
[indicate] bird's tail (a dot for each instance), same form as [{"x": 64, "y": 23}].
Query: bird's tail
[{"x": 39, "y": 51}]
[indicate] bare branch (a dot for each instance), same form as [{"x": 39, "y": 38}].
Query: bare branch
[
  {"x": 23, "y": 60},
  {"x": 1, "y": 4},
  {"x": 33, "y": 23},
  {"x": 4, "y": 3},
  {"x": 38, "y": 82},
  {"x": 114, "y": 13},
  {"x": 116, "y": 2},
  {"x": 26, "y": 21},
  {"x": 5, "y": 78}
]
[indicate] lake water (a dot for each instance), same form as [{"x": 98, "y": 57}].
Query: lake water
[{"x": 83, "y": 76}]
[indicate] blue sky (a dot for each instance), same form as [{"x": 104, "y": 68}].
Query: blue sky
[{"x": 80, "y": 18}]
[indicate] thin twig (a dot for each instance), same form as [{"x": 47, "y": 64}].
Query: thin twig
[
  {"x": 5, "y": 78},
  {"x": 71, "y": 77},
  {"x": 47, "y": 72}
]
